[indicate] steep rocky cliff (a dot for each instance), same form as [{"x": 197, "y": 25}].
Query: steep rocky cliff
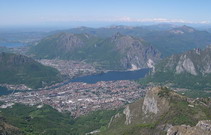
[
  {"x": 191, "y": 69},
  {"x": 136, "y": 53},
  {"x": 195, "y": 62},
  {"x": 161, "y": 112}
]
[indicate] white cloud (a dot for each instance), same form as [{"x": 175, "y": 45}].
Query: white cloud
[{"x": 156, "y": 20}]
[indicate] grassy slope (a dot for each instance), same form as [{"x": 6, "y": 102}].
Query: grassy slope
[{"x": 48, "y": 121}]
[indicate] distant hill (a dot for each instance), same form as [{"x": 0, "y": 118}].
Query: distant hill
[
  {"x": 19, "y": 69},
  {"x": 191, "y": 69},
  {"x": 167, "y": 38},
  {"x": 178, "y": 40},
  {"x": 4, "y": 49},
  {"x": 103, "y": 32},
  {"x": 163, "y": 112},
  {"x": 117, "y": 52}
]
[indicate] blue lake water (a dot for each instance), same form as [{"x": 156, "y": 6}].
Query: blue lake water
[
  {"x": 108, "y": 76},
  {"x": 113, "y": 76},
  {"x": 12, "y": 44},
  {"x": 4, "y": 91}
]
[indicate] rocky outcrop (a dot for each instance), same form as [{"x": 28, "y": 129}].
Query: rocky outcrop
[
  {"x": 195, "y": 62},
  {"x": 153, "y": 104},
  {"x": 150, "y": 105},
  {"x": 127, "y": 115},
  {"x": 202, "y": 128},
  {"x": 160, "y": 112},
  {"x": 149, "y": 109},
  {"x": 185, "y": 65}
]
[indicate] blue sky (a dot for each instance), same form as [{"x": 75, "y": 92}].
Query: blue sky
[{"x": 47, "y": 12}]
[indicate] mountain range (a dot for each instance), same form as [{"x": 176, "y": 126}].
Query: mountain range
[
  {"x": 120, "y": 52},
  {"x": 168, "y": 39}
]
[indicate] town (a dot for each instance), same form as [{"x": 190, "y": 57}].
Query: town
[
  {"x": 70, "y": 68},
  {"x": 81, "y": 98}
]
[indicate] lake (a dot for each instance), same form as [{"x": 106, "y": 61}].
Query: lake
[
  {"x": 12, "y": 44},
  {"x": 4, "y": 91},
  {"x": 108, "y": 76},
  {"x": 113, "y": 76}
]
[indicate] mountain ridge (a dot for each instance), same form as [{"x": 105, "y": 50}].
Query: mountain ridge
[
  {"x": 18, "y": 69},
  {"x": 191, "y": 69},
  {"x": 159, "y": 113},
  {"x": 118, "y": 52}
]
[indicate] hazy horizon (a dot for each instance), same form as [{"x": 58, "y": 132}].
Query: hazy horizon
[{"x": 93, "y": 13}]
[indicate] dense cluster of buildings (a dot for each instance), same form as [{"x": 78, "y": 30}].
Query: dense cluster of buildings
[
  {"x": 70, "y": 68},
  {"x": 80, "y": 98}
]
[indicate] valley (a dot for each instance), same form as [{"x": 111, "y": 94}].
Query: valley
[
  {"x": 77, "y": 75},
  {"x": 105, "y": 67}
]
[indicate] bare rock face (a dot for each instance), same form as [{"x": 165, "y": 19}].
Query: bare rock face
[
  {"x": 202, "y": 128},
  {"x": 135, "y": 53},
  {"x": 195, "y": 62},
  {"x": 150, "y": 105},
  {"x": 69, "y": 42},
  {"x": 185, "y": 65},
  {"x": 128, "y": 115},
  {"x": 153, "y": 103},
  {"x": 148, "y": 109}
]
